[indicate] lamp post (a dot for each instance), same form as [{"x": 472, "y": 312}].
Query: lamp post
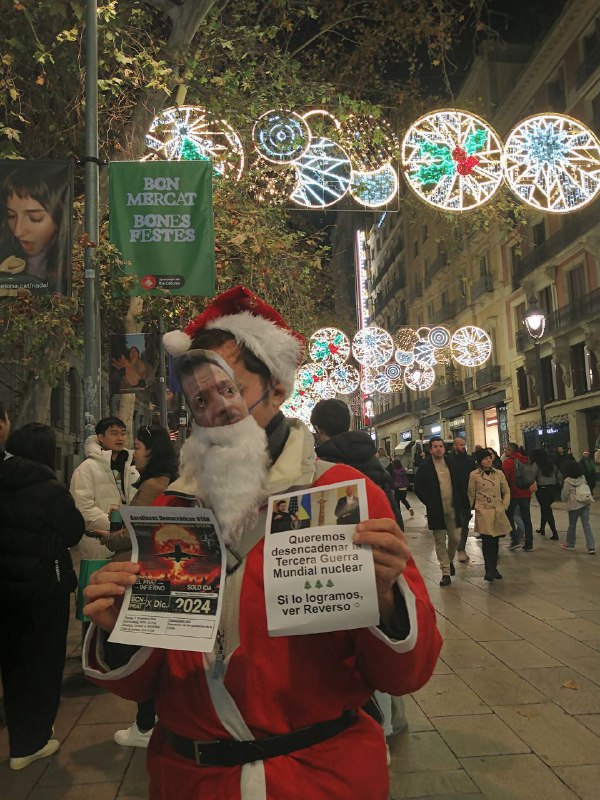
[{"x": 535, "y": 322}]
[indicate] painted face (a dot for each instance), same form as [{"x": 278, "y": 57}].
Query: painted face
[
  {"x": 113, "y": 438},
  {"x": 30, "y": 223},
  {"x": 213, "y": 397},
  {"x": 141, "y": 455}
]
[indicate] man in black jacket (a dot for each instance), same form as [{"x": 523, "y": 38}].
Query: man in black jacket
[
  {"x": 465, "y": 465},
  {"x": 337, "y": 443},
  {"x": 439, "y": 485}
]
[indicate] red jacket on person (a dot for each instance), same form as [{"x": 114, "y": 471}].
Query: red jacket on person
[{"x": 510, "y": 470}]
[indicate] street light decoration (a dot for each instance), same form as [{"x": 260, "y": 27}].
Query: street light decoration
[
  {"x": 425, "y": 353},
  {"x": 190, "y": 133},
  {"x": 406, "y": 338},
  {"x": 370, "y": 142},
  {"x": 535, "y": 320},
  {"x": 372, "y": 346},
  {"x": 471, "y": 346},
  {"x": 452, "y": 160},
  {"x": 344, "y": 379},
  {"x": 552, "y": 163},
  {"x": 418, "y": 378},
  {"x": 329, "y": 347},
  {"x": 439, "y": 337},
  {"x": 281, "y": 136},
  {"x": 376, "y": 188},
  {"x": 324, "y": 174}
]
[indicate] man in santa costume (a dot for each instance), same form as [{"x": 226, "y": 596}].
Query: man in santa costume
[{"x": 263, "y": 718}]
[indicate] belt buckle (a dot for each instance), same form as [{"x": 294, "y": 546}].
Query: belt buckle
[{"x": 198, "y": 753}]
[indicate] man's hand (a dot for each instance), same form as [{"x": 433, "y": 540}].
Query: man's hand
[
  {"x": 104, "y": 593},
  {"x": 390, "y": 555}
]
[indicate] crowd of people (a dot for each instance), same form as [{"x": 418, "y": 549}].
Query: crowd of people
[{"x": 280, "y": 712}]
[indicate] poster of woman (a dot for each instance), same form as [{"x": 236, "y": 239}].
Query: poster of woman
[
  {"x": 35, "y": 225},
  {"x": 133, "y": 358}
]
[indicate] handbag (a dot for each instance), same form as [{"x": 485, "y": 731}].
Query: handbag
[{"x": 87, "y": 568}]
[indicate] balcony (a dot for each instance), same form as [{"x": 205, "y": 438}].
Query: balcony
[
  {"x": 489, "y": 374},
  {"x": 390, "y": 413},
  {"x": 446, "y": 312},
  {"x": 449, "y": 391},
  {"x": 574, "y": 226},
  {"x": 415, "y": 291},
  {"x": 584, "y": 308},
  {"x": 438, "y": 262},
  {"x": 483, "y": 285},
  {"x": 587, "y": 67},
  {"x": 460, "y": 304},
  {"x": 469, "y": 384}
]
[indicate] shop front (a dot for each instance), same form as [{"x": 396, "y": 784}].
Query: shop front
[
  {"x": 557, "y": 433},
  {"x": 490, "y": 421}
]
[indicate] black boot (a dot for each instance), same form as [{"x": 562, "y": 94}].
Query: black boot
[{"x": 486, "y": 549}]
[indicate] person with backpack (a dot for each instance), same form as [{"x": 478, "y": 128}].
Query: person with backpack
[
  {"x": 578, "y": 497},
  {"x": 548, "y": 480},
  {"x": 400, "y": 478},
  {"x": 520, "y": 476}
]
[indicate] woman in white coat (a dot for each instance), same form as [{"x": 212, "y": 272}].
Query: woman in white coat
[{"x": 489, "y": 495}]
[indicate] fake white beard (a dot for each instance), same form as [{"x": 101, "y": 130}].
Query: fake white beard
[{"x": 228, "y": 465}]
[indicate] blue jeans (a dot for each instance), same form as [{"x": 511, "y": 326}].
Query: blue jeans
[
  {"x": 584, "y": 515},
  {"x": 524, "y": 506}
]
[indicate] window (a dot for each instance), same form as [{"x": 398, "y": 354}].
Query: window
[
  {"x": 424, "y": 232},
  {"x": 547, "y": 379},
  {"x": 524, "y": 389},
  {"x": 515, "y": 258},
  {"x": 579, "y": 369},
  {"x": 576, "y": 283},
  {"x": 444, "y": 299},
  {"x": 484, "y": 267},
  {"x": 430, "y": 311},
  {"x": 415, "y": 248},
  {"x": 545, "y": 300},
  {"x": 555, "y": 90},
  {"x": 57, "y": 406},
  {"x": 596, "y": 114},
  {"x": 539, "y": 233},
  {"x": 519, "y": 314}
]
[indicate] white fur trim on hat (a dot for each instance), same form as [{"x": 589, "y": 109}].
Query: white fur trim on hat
[
  {"x": 277, "y": 348},
  {"x": 176, "y": 343}
]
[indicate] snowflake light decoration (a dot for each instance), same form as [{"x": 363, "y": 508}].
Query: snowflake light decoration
[
  {"x": 324, "y": 174},
  {"x": 329, "y": 347},
  {"x": 189, "y": 133},
  {"x": 471, "y": 346},
  {"x": 299, "y": 407},
  {"x": 425, "y": 353},
  {"x": 404, "y": 357},
  {"x": 281, "y": 136},
  {"x": 382, "y": 383},
  {"x": 405, "y": 338},
  {"x": 309, "y": 376},
  {"x": 372, "y": 347},
  {"x": 439, "y": 337},
  {"x": 374, "y": 189},
  {"x": 370, "y": 142},
  {"x": 552, "y": 163},
  {"x": 452, "y": 160},
  {"x": 419, "y": 378},
  {"x": 344, "y": 379}
]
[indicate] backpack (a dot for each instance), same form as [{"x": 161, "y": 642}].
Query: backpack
[
  {"x": 524, "y": 474},
  {"x": 597, "y": 456},
  {"x": 583, "y": 494}
]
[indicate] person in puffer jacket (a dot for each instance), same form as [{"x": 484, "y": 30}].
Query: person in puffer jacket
[{"x": 576, "y": 494}]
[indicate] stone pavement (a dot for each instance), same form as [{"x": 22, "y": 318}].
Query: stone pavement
[{"x": 512, "y": 712}]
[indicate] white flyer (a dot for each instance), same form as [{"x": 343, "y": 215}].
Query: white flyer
[
  {"x": 175, "y": 603},
  {"x": 316, "y": 578}
]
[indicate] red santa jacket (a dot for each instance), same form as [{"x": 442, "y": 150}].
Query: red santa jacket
[{"x": 275, "y": 685}]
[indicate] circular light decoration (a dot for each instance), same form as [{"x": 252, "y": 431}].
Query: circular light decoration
[
  {"x": 439, "y": 337},
  {"x": 281, "y": 136},
  {"x": 344, "y": 379},
  {"x": 394, "y": 372},
  {"x": 372, "y": 346},
  {"x": 452, "y": 160},
  {"x": 443, "y": 355},
  {"x": 382, "y": 383},
  {"x": 405, "y": 338},
  {"x": 404, "y": 357},
  {"x": 325, "y": 389},
  {"x": 329, "y": 347},
  {"x": 471, "y": 346},
  {"x": 370, "y": 142},
  {"x": 422, "y": 333},
  {"x": 272, "y": 185},
  {"x": 324, "y": 174},
  {"x": 374, "y": 189},
  {"x": 425, "y": 353},
  {"x": 552, "y": 163},
  {"x": 309, "y": 376},
  {"x": 419, "y": 378},
  {"x": 299, "y": 408},
  {"x": 188, "y": 133},
  {"x": 321, "y": 123},
  {"x": 367, "y": 380}
]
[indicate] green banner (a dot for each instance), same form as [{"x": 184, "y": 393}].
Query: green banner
[{"x": 161, "y": 219}]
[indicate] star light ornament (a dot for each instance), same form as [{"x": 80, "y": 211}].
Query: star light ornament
[
  {"x": 189, "y": 133},
  {"x": 471, "y": 346},
  {"x": 344, "y": 379},
  {"x": 372, "y": 347},
  {"x": 452, "y": 160},
  {"x": 552, "y": 163},
  {"x": 324, "y": 174},
  {"x": 329, "y": 347}
]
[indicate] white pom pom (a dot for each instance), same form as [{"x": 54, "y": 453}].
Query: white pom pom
[{"x": 176, "y": 343}]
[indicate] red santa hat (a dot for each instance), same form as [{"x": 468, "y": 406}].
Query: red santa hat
[{"x": 254, "y": 324}]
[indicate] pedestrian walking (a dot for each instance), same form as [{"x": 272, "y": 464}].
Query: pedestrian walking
[
  {"x": 439, "y": 485},
  {"x": 38, "y": 524},
  {"x": 465, "y": 465},
  {"x": 400, "y": 479},
  {"x": 548, "y": 481},
  {"x": 578, "y": 497},
  {"x": 489, "y": 496},
  {"x": 520, "y": 478},
  {"x": 588, "y": 466}
]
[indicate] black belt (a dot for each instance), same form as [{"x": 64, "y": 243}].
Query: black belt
[{"x": 230, "y": 753}]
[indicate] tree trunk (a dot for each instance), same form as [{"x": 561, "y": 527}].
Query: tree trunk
[{"x": 35, "y": 402}]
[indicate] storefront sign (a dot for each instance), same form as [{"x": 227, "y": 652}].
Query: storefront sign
[
  {"x": 502, "y": 416},
  {"x": 436, "y": 429},
  {"x": 491, "y": 421},
  {"x": 161, "y": 219},
  {"x": 458, "y": 422},
  {"x": 406, "y": 436}
]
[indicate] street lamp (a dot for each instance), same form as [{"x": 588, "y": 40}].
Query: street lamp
[{"x": 535, "y": 322}]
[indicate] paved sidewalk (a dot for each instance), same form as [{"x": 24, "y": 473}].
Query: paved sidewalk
[{"x": 512, "y": 713}]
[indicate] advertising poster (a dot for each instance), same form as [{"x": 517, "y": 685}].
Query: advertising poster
[
  {"x": 316, "y": 578},
  {"x": 133, "y": 362},
  {"x": 36, "y": 199},
  {"x": 175, "y": 602},
  {"x": 161, "y": 219}
]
